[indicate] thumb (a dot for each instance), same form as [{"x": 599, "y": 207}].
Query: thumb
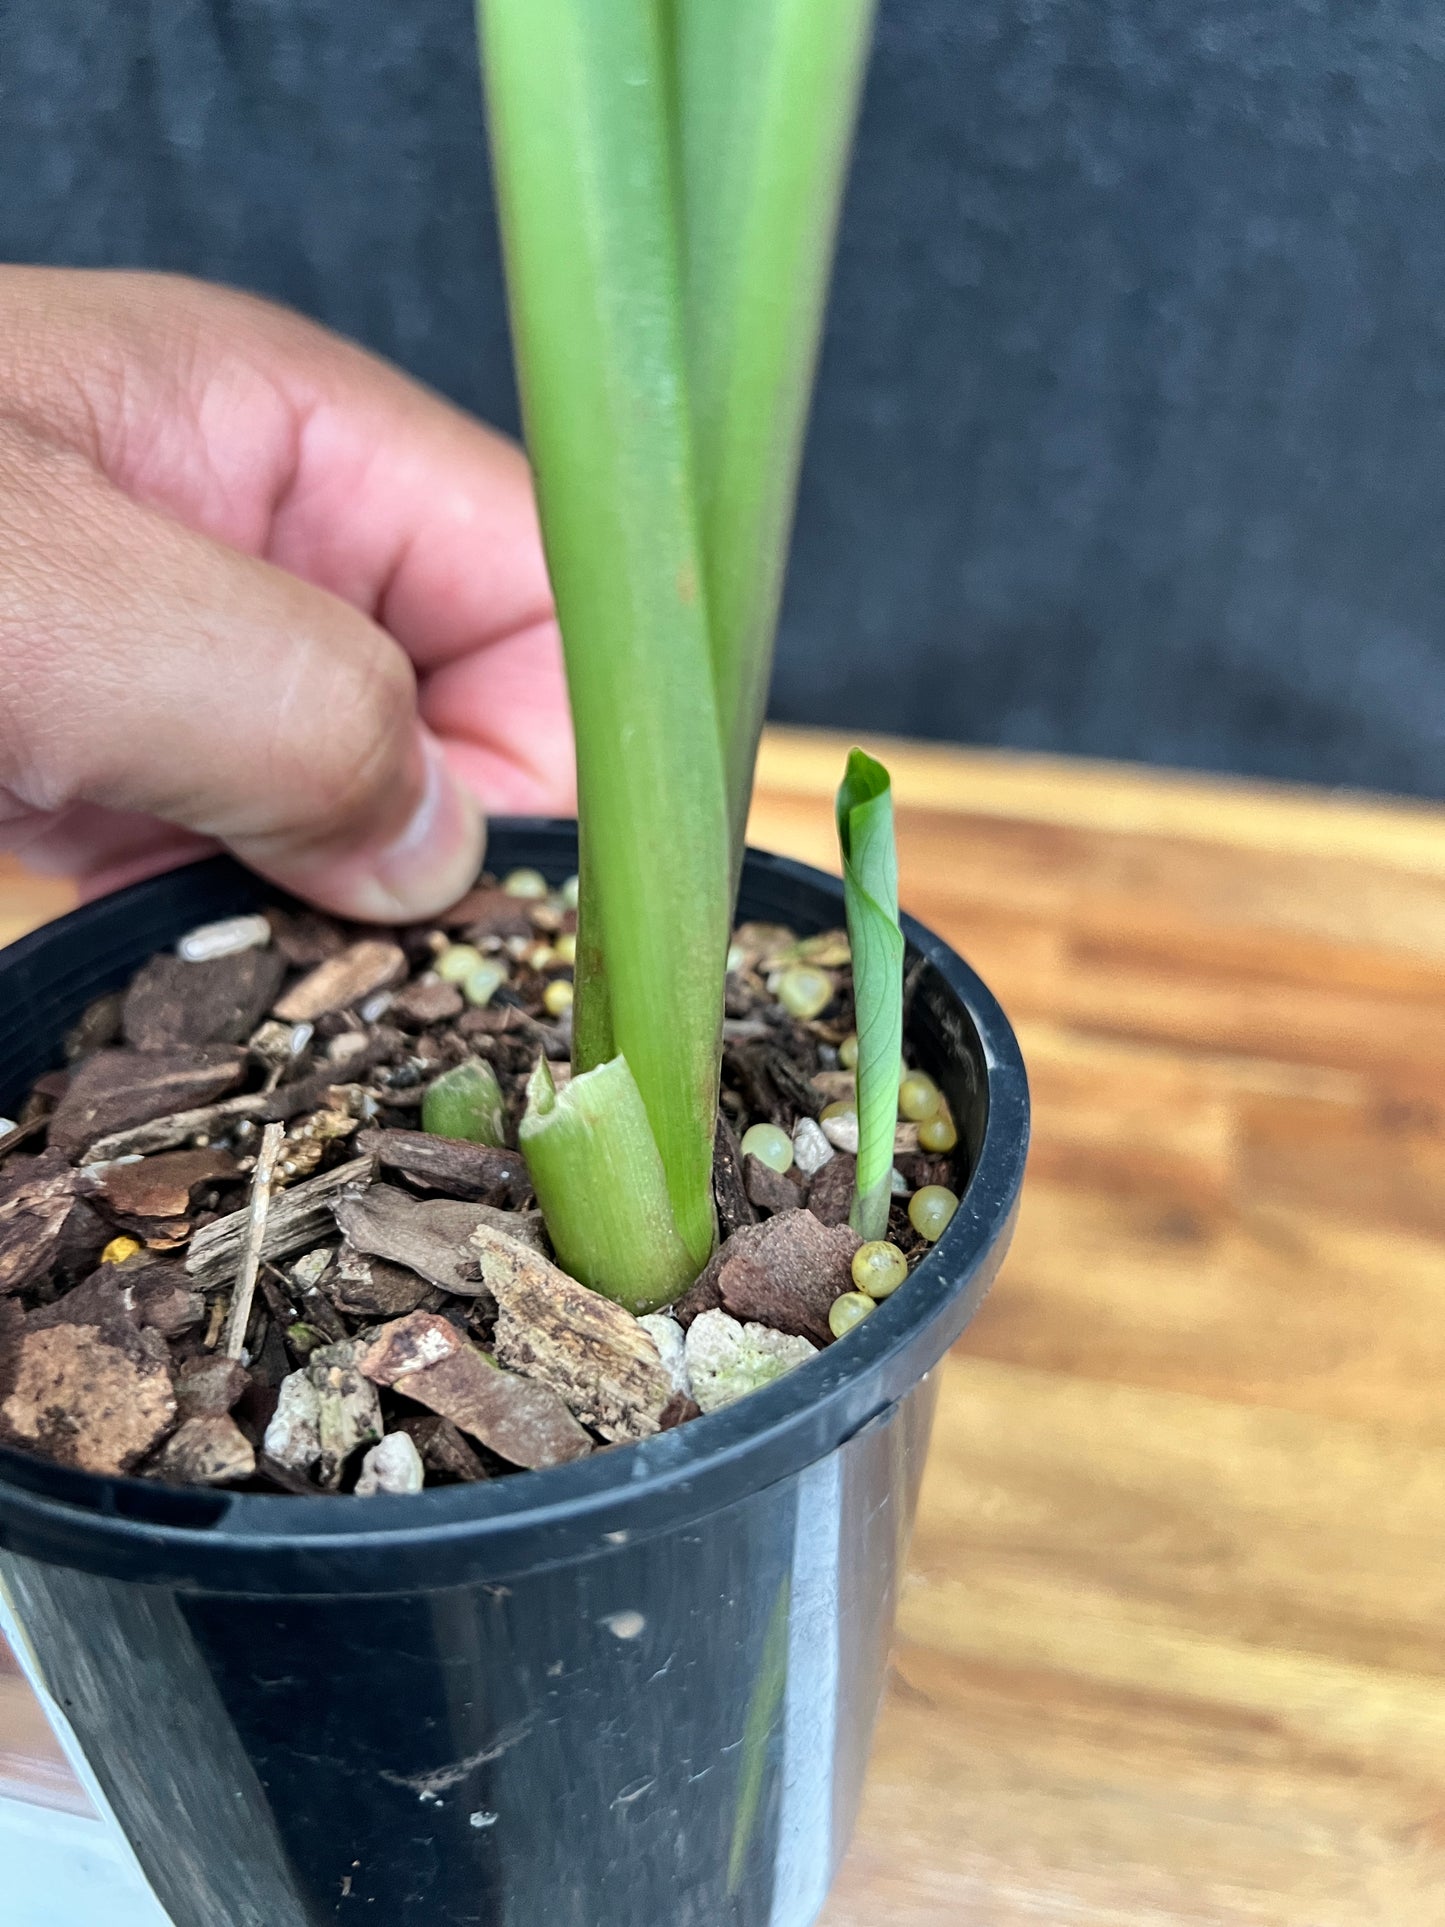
[{"x": 151, "y": 669}]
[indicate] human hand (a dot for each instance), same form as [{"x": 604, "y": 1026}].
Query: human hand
[{"x": 258, "y": 589}]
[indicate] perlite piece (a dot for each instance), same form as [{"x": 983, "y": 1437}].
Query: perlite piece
[{"x": 726, "y": 1360}]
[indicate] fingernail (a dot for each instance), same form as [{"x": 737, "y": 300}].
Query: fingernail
[{"x": 435, "y": 859}]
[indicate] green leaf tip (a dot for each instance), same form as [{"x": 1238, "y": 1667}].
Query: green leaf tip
[
  {"x": 870, "y": 892},
  {"x": 599, "y": 1178}
]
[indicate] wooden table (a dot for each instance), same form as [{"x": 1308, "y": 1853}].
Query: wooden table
[{"x": 1172, "y": 1648}]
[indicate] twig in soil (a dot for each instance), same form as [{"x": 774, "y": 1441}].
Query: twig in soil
[
  {"x": 262, "y": 1181},
  {"x": 301, "y": 1218}
]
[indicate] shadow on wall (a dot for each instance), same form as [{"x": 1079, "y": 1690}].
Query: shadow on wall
[{"x": 1131, "y": 432}]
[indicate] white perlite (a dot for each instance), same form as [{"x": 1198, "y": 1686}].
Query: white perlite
[
  {"x": 224, "y": 939},
  {"x": 727, "y": 1360},
  {"x": 671, "y": 1343},
  {"x": 393, "y": 1466},
  {"x": 811, "y": 1149},
  {"x": 842, "y": 1131},
  {"x": 294, "y": 1435}
]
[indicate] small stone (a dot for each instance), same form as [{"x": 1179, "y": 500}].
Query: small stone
[
  {"x": 394, "y": 1466},
  {"x": 898, "y": 1185},
  {"x": 205, "y": 1451},
  {"x": 342, "y": 981},
  {"x": 671, "y": 1343},
  {"x": 224, "y": 938},
  {"x": 210, "y": 1387},
  {"x": 368, "y": 1287},
  {"x": 293, "y": 1437},
  {"x": 726, "y": 1360},
  {"x": 349, "y": 1412},
  {"x": 842, "y": 1132},
  {"x": 811, "y": 1149}
]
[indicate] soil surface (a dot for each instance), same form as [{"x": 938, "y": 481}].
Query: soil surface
[{"x": 232, "y": 1254}]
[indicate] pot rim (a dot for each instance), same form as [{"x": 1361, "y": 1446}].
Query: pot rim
[{"x": 253, "y": 1543}]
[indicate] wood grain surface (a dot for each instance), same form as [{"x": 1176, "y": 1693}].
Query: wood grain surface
[{"x": 1171, "y": 1651}]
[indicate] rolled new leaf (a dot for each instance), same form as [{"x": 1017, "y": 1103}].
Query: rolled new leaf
[
  {"x": 599, "y": 1179},
  {"x": 870, "y": 891}
]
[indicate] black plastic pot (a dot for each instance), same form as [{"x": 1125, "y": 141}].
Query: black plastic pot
[{"x": 636, "y": 1691}]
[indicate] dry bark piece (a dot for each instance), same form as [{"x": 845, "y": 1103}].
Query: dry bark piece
[
  {"x": 305, "y": 937},
  {"x": 486, "y": 912},
  {"x": 158, "y": 1187},
  {"x": 116, "y": 1089},
  {"x": 430, "y": 1236},
  {"x": 483, "y": 1172},
  {"x": 172, "y": 1002},
  {"x": 97, "y": 1026},
  {"x": 106, "y": 1301},
  {"x": 426, "y": 1003},
  {"x": 591, "y": 1352},
  {"x": 368, "y": 1287},
  {"x": 79, "y": 1398},
  {"x": 348, "y": 978},
  {"x": 210, "y": 1387},
  {"x": 443, "y": 1449},
  {"x": 36, "y": 1197},
  {"x": 205, "y": 1451},
  {"x": 521, "y": 1421},
  {"x": 734, "y": 1206},
  {"x": 768, "y": 1189},
  {"x": 164, "y": 1298},
  {"x": 298, "y": 1219},
  {"x": 727, "y": 1360},
  {"x": 788, "y": 1278},
  {"x": 179, "y": 1127},
  {"x": 830, "y": 1195}
]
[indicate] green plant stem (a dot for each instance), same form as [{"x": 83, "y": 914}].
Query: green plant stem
[
  {"x": 766, "y": 96},
  {"x": 581, "y": 134},
  {"x": 870, "y": 895},
  {"x": 600, "y": 1183}
]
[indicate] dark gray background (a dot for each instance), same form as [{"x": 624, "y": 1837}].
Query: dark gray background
[{"x": 1129, "y": 438}]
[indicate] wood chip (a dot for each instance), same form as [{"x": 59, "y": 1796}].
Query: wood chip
[
  {"x": 430, "y": 1236},
  {"x": 263, "y": 1179},
  {"x": 81, "y": 1400},
  {"x": 210, "y": 1387},
  {"x": 786, "y": 1274},
  {"x": 830, "y": 1195},
  {"x": 116, "y": 1089},
  {"x": 160, "y": 1186},
  {"x": 521, "y": 1421},
  {"x": 367, "y": 1287},
  {"x": 443, "y": 1450},
  {"x": 490, "y": 1175},
  {"x": 488, "y": 912},
  {"x": 205, "y": 1451},
  {"x": 591, "y": 1352},
  {"x": 298, "y": 1219},
  {"x": 768, "y": 1189},
  {"x": 343, "y": 981},
  {"x": 426, "y": 1003},
  {"x": 180, "y": 1127},
  {"x": 305, "y": 937},
  {"x": 171, "y": 1002},
  {"x": 36, "y": 1196},
  {"x": 734, "y": 1207}
]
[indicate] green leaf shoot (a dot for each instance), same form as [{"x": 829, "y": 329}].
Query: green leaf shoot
[
  {"x": 870, "y": 890},
  {"x": 466, "y": 1102},
  {"x": 580, "y": 102},
  {"x": 598, "y": 1176}
]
